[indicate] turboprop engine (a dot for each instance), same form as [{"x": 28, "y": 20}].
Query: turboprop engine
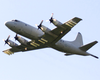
[
  {"x": 42, "y": 27},
  {"x": 10, "y": 43},
  {"x": 45, "y": 29},
  {"x": 21, "y": 40},
  {"x": 54, "y": 21}
]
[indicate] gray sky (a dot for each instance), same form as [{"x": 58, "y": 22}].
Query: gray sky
[{"x": 49, "y": 64}]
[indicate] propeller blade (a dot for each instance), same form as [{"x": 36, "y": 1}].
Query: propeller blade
[
  {"x": 47, "y": 20},
  {"x": 36, "y": 25},
  {"x": 40, "y": 25},
  {"x": 52, "y": 15},
  {"x": 51, "y": 19},
  {"x": 41, "y": 22},
  {"x": 8, "y": 37},
  {"x": 6, "y": 41},
  {"x": 16, "y": 37}
]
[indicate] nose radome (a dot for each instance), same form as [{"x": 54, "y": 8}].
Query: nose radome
[
  {"x": 8, "y": 23},
  {"x": 5, "y": 23}
]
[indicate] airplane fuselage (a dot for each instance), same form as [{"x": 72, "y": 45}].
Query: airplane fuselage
[
  {"x": 33, "y": 33},
  {"x": 24, "y": 29}
]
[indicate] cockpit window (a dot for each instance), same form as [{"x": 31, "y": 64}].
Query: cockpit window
[{"x": 16, "y": 20}]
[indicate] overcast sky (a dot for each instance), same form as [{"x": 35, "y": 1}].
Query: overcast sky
[{"x": 49, "y": 64}]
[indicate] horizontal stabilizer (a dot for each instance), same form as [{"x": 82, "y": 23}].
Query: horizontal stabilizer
[{"x": 88, "y": 46}]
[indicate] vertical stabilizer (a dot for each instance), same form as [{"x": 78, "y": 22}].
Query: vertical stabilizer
[{"x": 78, "y": 41}]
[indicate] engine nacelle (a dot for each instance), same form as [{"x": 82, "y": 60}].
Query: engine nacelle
[
  {"x": 57, "y": 23},
  {"x": 22, "y": 40},
  {"x": 11, "y": 43},
  {"x": 45, "y": 29}
]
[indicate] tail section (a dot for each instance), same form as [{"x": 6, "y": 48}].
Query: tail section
[
  {"x": 78, "y": 41},
  {"x": 88, "y": 46}
]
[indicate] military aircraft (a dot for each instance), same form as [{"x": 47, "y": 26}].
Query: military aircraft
[{"x": 43, "y": 37}]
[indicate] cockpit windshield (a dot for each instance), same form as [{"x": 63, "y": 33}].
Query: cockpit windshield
[{"x": 16, "y": 20}]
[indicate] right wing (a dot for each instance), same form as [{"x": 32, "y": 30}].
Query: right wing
[
  {"x": 31, "y": 45},
  {"x": 22, "y": 48}
]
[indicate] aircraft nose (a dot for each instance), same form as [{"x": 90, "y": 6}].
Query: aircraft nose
[{"x": 7, "y": 23}]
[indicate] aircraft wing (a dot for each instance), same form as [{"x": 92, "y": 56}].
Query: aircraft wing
[
  {"x": 19, "y": 49},
  {"x": 65, "y": 28},
  {"x": 32, "y": 45},
  {"x": 41, "y": 42}
]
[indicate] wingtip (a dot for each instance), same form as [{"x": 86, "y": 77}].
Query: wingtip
[
  {"x": 76, "y": 19},
  {"x": 96, "y": 41}
]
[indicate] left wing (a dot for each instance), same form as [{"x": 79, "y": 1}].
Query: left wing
[{"x": 65, "y": 28}]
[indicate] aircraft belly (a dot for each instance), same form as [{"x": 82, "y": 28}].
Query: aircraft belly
[
  {"x": 60, "y": 46},
  {"x": 25, "y": 33},
  {"x": 36, "y": 33},
  {"x": 68, "y": 48}
]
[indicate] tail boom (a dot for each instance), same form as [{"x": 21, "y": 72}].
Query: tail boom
[{"x": 94, "y": 56}]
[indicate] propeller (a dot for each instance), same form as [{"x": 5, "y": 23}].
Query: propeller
[
  {"x": 51, "y": 19},
  {"x": 6, "y": 41},
  {"x": 16, "y": 37},
  {"x": 40, "y": 25}
]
